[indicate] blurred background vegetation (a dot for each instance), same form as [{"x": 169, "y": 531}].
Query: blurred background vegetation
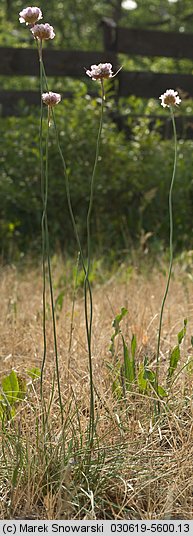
[{"x": 133, "y": 175}]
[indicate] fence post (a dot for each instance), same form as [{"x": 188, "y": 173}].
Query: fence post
[
  {"x": 110, "y": 45},
  {"x": 109, "y": 34}
]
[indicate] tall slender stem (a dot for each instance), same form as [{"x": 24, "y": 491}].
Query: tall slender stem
[
  {"x": 43, "y": 227},
  {"x": 88, "y": 328},
  {"x": 87, "y": 286},
  {"x": 171, "y": 246},
  {"x": 49, "y": 271},
  {"x": 73, "y": 304},
  {"x": 89, "y": 309},
  {"x": 45, "y": 243},
  {"x": 66, "y": 180}
]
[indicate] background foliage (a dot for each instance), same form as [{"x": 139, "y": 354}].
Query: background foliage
[
  {"x": 131, "y": 186},
  {"x": 133, "y": 174},
  {"x": 78, "y": 22}
]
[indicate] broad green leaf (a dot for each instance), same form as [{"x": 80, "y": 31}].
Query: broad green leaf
[
  {"x": 142, "y": 382},
  {"x": 149, "y": 375},
  {"x": 129, "y": 365},
  {"x": 161, "y": 391},
  {"x": 118, "y": 319},
  {"x": 59, "y": 300},
  {"x": 10, "y": 387},
  {"x": 146, "y": 361},
  {"x": 22, "y": 387},
  {"x": 11, "y": 413},
  {"x": 116, "y": 327},
  {"x": 116, "y": 389},
  {"x": 174, "y": 358},
  {"x": 191, "y": 340},
  {"x": 182, "y": 333},
  {"x": 34, "y": 373},
  {"x": 1, "y": 412},
  {"x": 133, "y": 346}
]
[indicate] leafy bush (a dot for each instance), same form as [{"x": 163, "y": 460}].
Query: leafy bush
[{"x": 131, "y": 189}]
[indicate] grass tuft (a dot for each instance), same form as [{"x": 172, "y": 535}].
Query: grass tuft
[{"x": 140, "y": 466}]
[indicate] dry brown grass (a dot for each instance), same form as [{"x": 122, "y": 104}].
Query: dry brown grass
[{"x": 141, "y": 468}]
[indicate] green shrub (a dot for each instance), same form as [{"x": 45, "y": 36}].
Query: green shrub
[{"x": 131, "y": 190}]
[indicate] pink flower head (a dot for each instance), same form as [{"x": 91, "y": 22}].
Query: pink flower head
[
  {"x": 51, "y": 99},
  {"x": 170, "y": 98},
  {"x": 30, "y": 15},
  {"x": 100, "y": 71},
  {"x": 43, "y": 31}
]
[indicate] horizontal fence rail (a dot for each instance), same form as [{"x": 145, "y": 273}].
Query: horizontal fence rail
[
  {"x": 149, "y": 84},
  {"x": 24, "y": 61},
  {"x": 154, "y": 43},
  {"x": 11, "y": 101},
  {"x": 150, "y": 43},
  {"x": 117, "y": 40}
]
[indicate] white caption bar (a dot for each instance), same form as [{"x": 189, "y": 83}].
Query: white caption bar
[{"x": 108, "y": 528}]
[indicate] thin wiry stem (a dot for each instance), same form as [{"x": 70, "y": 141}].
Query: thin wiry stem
[
  {"x": 73, "y": 305},
  {"x": 66, "y": 181},
  {"x": 50, "y": 272},
  {"x": 45, "y": 245},
  {"x": 89, "y": 309},
  {"x": 87, "y": 286},
  {"x": 171, "y": 247},
  {"x": 43, "y": 230},
  {"x": 88, "y": 327}
]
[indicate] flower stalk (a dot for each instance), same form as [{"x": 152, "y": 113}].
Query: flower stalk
[
  {"x": 50, "y": 99},
  {"x": 41, "y": 32},
  {"x": 169, "y": 99},
  {"x": 89, "y": 306},
  {"x": 50, "y": 272},
  {"x": 43, "y": 227}
]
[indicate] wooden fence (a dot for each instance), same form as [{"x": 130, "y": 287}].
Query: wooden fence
[
  {"x": 137, "y": 42},
  {"x": 58, "y": 63},
  {"x": 149, "y": 43}
]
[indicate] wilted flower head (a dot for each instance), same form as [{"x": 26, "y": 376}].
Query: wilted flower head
[
  {"x": 170, "y": 98},
  {"x": 100, "y": 71},
  {"x": 51, "y": 99},
  {"x": 43, "y": 31},
  {"x": 30, "y": 15}
]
